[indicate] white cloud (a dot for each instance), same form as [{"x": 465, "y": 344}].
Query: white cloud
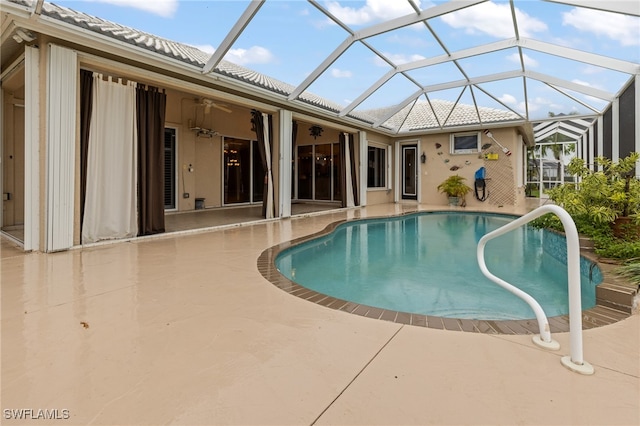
[
  {"x": 164, "y": 8},
  {"x": 338, "y": 73},
  {"x": 373, "y": 10},
  {"x": 253, "y": 55},
  {"x": 528, "y": 61},
  {"x": 495, "y": 20},
  {"x": 508, "y": 99},
  {"x": 622, "y": 28}
]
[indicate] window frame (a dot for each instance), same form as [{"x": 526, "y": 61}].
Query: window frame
[
  {"x": 387, "y": 172},
  {"x": 464, "y": 151}
]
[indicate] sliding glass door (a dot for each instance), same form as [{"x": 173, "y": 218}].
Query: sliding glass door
[
  {"x": 243, "y": 172},
  {"x": 317, "y": 174}
]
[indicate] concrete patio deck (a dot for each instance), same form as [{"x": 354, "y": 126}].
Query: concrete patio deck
[{"x": 183, "y": 329}]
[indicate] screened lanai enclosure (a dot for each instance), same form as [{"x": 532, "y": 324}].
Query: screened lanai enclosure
[{"x": 276, "y": 107}]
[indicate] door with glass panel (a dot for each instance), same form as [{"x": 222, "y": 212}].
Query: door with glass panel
[
  {"x": 409, "y": 172},
  {"x": 243, "y": 172}
]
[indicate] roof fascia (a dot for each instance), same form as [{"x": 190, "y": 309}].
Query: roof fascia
[
  {"x": 462, "y": 128},
  {"x": 233, "y": 35}
]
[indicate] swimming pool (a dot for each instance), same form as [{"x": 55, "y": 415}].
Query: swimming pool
[{"x": 425, "y": 263}]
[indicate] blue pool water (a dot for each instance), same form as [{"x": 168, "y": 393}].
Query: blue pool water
[{"x": 426, "y": 264}]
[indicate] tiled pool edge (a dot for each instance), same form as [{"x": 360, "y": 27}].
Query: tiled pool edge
[{"x": 600, "y": 315}]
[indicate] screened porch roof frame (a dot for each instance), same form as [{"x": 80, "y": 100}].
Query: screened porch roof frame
[{"x": 521, "y": 43}]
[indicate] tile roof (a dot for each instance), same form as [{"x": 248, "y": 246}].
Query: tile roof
[{"x": 418, "y": 116}]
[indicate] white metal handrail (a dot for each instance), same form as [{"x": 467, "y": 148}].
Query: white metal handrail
[{"x": 574, "y": 362}]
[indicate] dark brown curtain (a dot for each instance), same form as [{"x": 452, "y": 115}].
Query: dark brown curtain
[
  {"x": 150, "y": 109},
  {"x": 343, "y": 171},
  {"x": 86, "y": 108},
  {"x": 258, "y": 127},
  {"x": 354, "y": 174}
]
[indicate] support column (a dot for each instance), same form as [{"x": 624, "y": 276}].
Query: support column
[
  {"x": 284, "y": 163},
  {"x": 363, "y": 144},
  {"x": 32, "y": 149}
]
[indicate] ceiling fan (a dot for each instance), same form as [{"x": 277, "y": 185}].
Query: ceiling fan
[{"x": 208, "y": 103}]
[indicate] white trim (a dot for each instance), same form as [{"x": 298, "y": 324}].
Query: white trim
[
  {"x": 62, "y": 82},
  {"x": 452, "y": 149},
  {"x": 284, "y": 163},
  {"x": 32, "y": 149}
]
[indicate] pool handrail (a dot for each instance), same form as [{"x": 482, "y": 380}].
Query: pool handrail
[{"x": 575, "y": 361}]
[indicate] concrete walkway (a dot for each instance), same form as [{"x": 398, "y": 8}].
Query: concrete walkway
[{"x": 185, "y": 330}]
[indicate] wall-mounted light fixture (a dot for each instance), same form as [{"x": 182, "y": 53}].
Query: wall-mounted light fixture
[
  {"x": 423, "y": 158},
  {"x": 315, "y": 131}
]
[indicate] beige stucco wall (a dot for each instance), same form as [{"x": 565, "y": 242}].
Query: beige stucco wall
[
  {"x": 204, "y": 154},
  {"x": 501, "y": 174}
]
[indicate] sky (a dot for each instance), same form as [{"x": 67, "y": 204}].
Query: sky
[{"x": 287, "y": 40}]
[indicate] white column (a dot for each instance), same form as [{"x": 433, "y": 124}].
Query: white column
[
  {"x": 364, "y": 148},
  {"x": 61, "y": 137},
  {"x": 600, "y": 138},
  {"x": 636, "y": 123},
  {"x": 284, "y": 163},
  {"x": 32, "y": 149},
  {"x": 615, "y": 129}
]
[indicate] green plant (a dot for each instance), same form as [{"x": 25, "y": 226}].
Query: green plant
[
  {"x": 454, "y": 186},
  {"x": 604, "y": 195},
  {"x": 631, "y": 271}
]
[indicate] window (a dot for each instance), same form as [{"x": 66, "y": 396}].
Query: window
[
  {"x": 169, "y": 169},
  {"x": 377, "y": 167},
  {"x": 465, "y": 143}
]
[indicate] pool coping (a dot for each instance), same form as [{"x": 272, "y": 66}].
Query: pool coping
[{"x": 600, "y": 315}]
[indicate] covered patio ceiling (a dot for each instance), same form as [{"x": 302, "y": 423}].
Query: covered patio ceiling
[{"x": 403, "y": 66}]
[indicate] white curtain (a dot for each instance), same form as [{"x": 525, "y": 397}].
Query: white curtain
[
  {"x": 110, "y": 203},
  {"x": 270, "y": 203}
]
